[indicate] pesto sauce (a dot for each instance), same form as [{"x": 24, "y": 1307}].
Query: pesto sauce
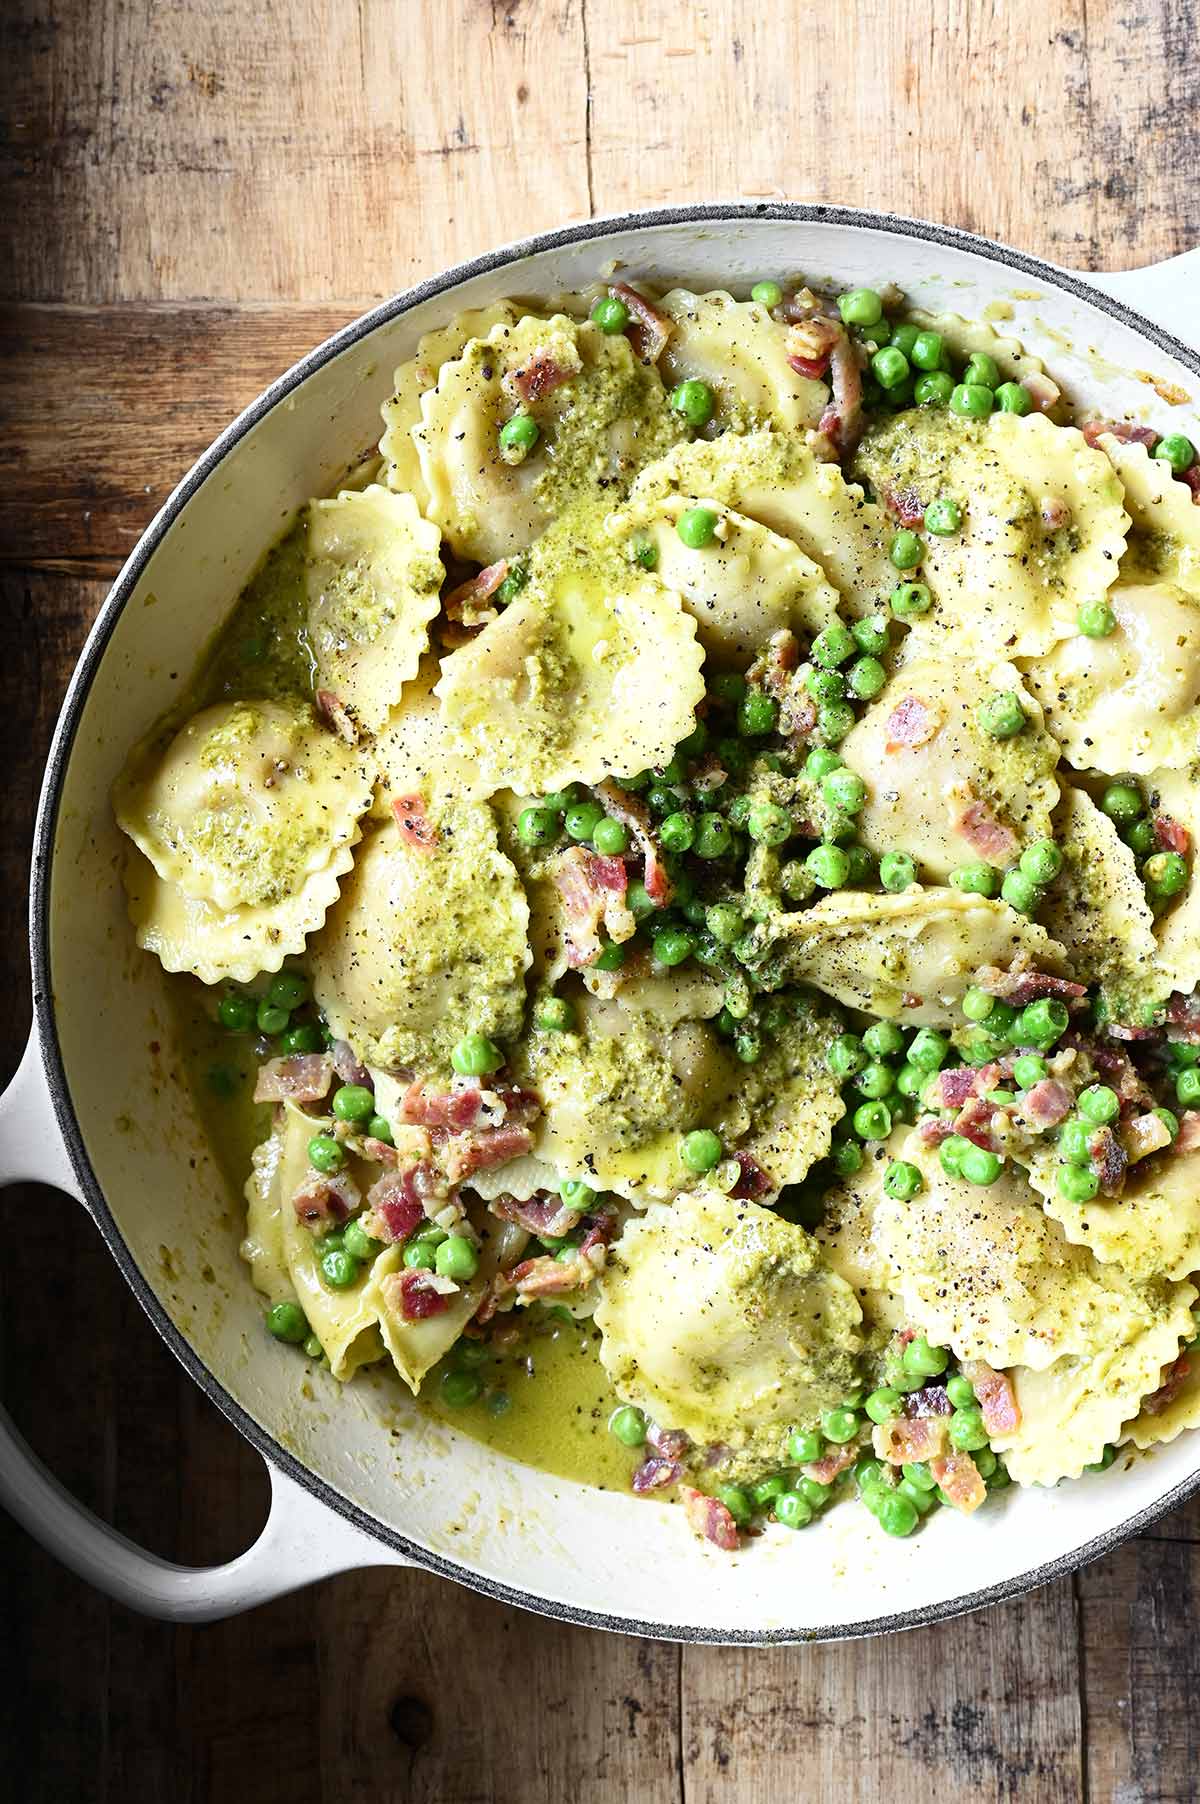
[{"x": 263, "y": 649}]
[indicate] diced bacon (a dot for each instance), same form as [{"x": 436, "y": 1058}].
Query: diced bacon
[
  {"x": 538, "y": 378},
  {"x": 753, "y": 1181},
  {"x": 911, "y": 723},
  {"x": 672, "y": 1443},
  {"x": 545, "y": 1276},
  {"x": 1022, "y": 987},
  {"x": 458, "y": 1108},
  {"x": 1143, "y": 1135},
  {"x": 1174, "y": 1378},
  {"x": 394, "y": 1199},
  {"x": 813, "y": 368},
  {"x": 654, "y": 1473},
  {"x": 1108, "y": 1160},
  {"x": 930, "y": 1400},
  {"x": 1183, "y": 1014},
  {"x": 774, "y": 666},
  {"x": 416, "y": 829},
  {"x": 325, "y": 1200},
  {"x": 416, "y": 1295},
  {"x": 336, "y": 716},
  {"x": 1117, "y": 1069},
  {"x": 302, "y": 1077},
  {"x": 1171, "y": 836},
  {"x": 974, "y": 1122},
  {"x": 986, "y": 835},
  {"x": 1189, "y": 1131},
  {"x": 1192, "y": 479},
  {"x": 708, "y": 1518},
  {"x": 910, "y": 1439},
  {"x": 906, "y": 505},
  {"x": 931, "y": 1131},
  {"x": 347, "y": 1066},
  {"x": 955, "y": 1086},
  {"x": 831, "y": 1464},
  {"x": 1125, "y": 434},
  {"x": 633, "y": 813},
  {"x": 518, "y": 1107},
  {"x": 842, "y": 420},
  {"x": 997, "y": 1399},
  {"x": 483, "y": 1149},
  {"x": 545, "y": 1215},
  {"x": 650, "y": 330},
  {"x": 378, "y": 1151},
  {"x": 1046, "y": 1104},
  {"x": 810, "y": 341},
  {"x": 1119, "y": 1030},
  {"x": 467, "y": 604},
  {"x": 593, "y": 890},
  {"x": 1042, "y": 391},
  {"x": 960, "y": 1479},
  {"x": 497, "y": 1296}
]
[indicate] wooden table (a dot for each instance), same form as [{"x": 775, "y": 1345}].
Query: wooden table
[{"x": 192, "y": 196}]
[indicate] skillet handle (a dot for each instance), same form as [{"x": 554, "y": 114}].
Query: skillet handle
[
  {"x": 1167, "y": 293},
  {"x": 302, "y": 1540}
]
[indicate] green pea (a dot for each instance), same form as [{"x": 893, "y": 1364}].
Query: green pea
[
  {"x": 638, "y": 900},
  {"x": 694, "y": 401},
  {"x": 769, "y": 824},
  {"x": 813, "y": 1491},
  {"x": 840, "y": 1425},
  {"x": 313, "y": 1348},
  {"x": 475, "y": 1056},
  {"x": 829, "y": 866},
  {"x": 353, "y": 1102},
  {"x": 903, "y": 1181},
  {"x": 1098, "y": 1104},
  {"x": 923, "y": 1360},
  {"x": 764, "y": 1493},
  {"x": 1166, "y": 873},
  {"x": 860, "y": 307},
  {"x": 929, "y": 1050},
  {"x": 832, "y": 646},
  {"x": 820, "y": 762},
  {"x": 933, "y": 390},
  {"x": 883, "y": 1040},
  {"x": 872, "y": 1121},
  {"x": 305, "y": 1038},
  {"x": 582, "y": 820},
  {"x": 890, "y": 367},
  {"x": 825, "y": 685},
  {"x": 1169, "y": 1121},
  {"x": 359, "y": 1244},
  {"x": 672, "y": 945},
  {"x": 961, "y": 1391},
  {"x": 611, "y": 314},
  {"x": 1177, "y": 451},
  {"x": 236, "y": 1014},
  {"x": 767, "y": 294},
  {"x": 559, "y": 800},
  {"x": 906, "y": 551},
  {"x": 418, "y": 1255},
  {"x": 697, "y": 527},
  {"x": 1001, "y": 716},
  {"x": 1140, "y": 836},
  {"x": 847, "y": 1156},
  {"x": 972, "y": 400},
  {"x": 793, "y": 1510},
  {"x": 1012, "y": 398},
  {"x": 1041, "y": 1024},
  {"x": 1074, "y": 1140},
  {"x": 713, "y": 836},
  {"x": 269, "y": 1019},
  {"x": 287, "y": 1322},
  {"x": 1041, "y": 862},
  {"x": 456, "y": 1258},
  {"x": 537, "y": 826},
  {"x": 610, "y": 837},
  {"x": 725, "y": 922},
  {"x": 966, "y": 1429},
  {"x": 883, "y": 1405},
  {"x": 1021, "y": 892},
  {"x": 834, "y": 721},
  {"x": 846, "y": 1056},
  {"x": 843, "y": 789},
  {"x": 1187, "y": 1087},
  {"x": 287, "y": 990},
  {"x": 1181, "y": 1053},
  {"x": 737, "y": 1502},
  {"x": 1095, "y": 620},
  {"x": 519, "y": 435},
  {"x": 460, "y": 1389},
  {"x": 871, "y": 634},
  {"x": 904, "y": 337},
  {"x": 876, "y": 1079},
  {"x": 701, "y": 1150},
  {"x": 1029, "y": 1070},
  {"x": 897, "y": 871},
  {"x": 339, "y": 1269},
  {"x": 757, "y": 714},
  {"x": 1077, "y": 1185},
  {"x": 977, "y": 1004},
  {"x": 909, "y": 599},
  {"x": 976, "y": 879},
  {"x": 804, "y": 1446},
  {"x": 979, "y": 1166},
  {"x": 324, "y": 1153},
  {"x": 554, "y": 1015},
  {"x": 514, "y": 582},
  {"x": 576, "y": 1194},
  {"x": 1123, "y": 802},
  {"x": 628, "y": 1425},
  {"x": 865, "y": 678},
  {"x": 1105, "y": 1461},
  {"x": 983, "y": 370},
  {"x": 927, "y": 350},
  {"x": 610, "y": 959},
  {"x": 943, "y": 517},
  {"x": 896, "y": 1514}
]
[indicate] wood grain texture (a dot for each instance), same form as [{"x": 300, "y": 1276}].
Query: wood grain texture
[{"x": 192, "y": 197}]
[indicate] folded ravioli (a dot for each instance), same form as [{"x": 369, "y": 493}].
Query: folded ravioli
[
  {"x": 745, "y": 584},
  {"x": 1097, "y": 910},
  {"x": 1174, "y": 796},
  {"x": 773, "y": 478},
  {"x": 593, "y": 671},
  {"x": 721, "y": 1319},
  {"x": 1130, "y": 701},
  {"x": 848, "y": 1241},
  {"x": 1174, "y": 1406},
  {"x": 910, "y": 955},
  {"x": 742, "y": 354},
  {"x": 1043, "y": 524},
  {"x": 1152, "y": 1228},
  {"x": 600, "y": 413},
  {"x": 246, "y": 802},
  {"x": 427, "y": 943},
  {"x": 373, "y": 578},
  {"x": 937, "y": 784},
  {"x": 1164, "y": 543}
]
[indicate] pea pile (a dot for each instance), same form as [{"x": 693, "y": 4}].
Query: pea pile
[{"x": 1165, "y": 874}]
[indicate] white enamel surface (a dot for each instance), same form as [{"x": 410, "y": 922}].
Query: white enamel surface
[{"x": 562, "y": 1544}]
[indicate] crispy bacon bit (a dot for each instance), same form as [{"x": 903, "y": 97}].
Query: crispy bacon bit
[
  {"x": 650, "y": 330},
  {"x": 417, "y": 1294},
  {"x": 709, "y": 1519},
  {"x": 753, "y": 1182},
  {"x": 325, "y": 1200},
  {"x": 986, "y": 835},
  {"x": 931, "y": 1132},
  {"x": 1143, "y": 1135},
  {"x": 974, "y": 1122},
  {"x": 1183, "y": 1014},
  {"x": 1046, "y": 1104},
  {"x": 337, "y": 717},
  {"x": 813, "y": 368},
  {"x": 458, "y": 1108},
  {"x": 538, "y": 378},
  {"x": 906, "y": 505},
  {"x": 1021, "y": 987},
  {"x": 378, "y": 1151},
  {"x": 1044, "y": 393},
  {"x": 1108, "y": 1160},
  {"x": 1095, "y": 430},
  {"x": 910, "y": 1439},
  {"x": 600, "y": 1230},
  {"x": 303, "y": 1077},
  {"x": 1171, "y": 835},
  {"x": 593, "y": 890},
  {"x": 1174, "y": 1378},
  {"x": 1189, "y": 1131},
  {"x": 495, "y": 1297},
  {"x": 545, "y": 1276},
  {"x": 831, "y": 1464},
  {"x": 1192, "y": 479},
  {"x": 809, "y": 343},
  {"x": 672, "y": 1443},
  {"x": 997, "y": 1399},
  {"x": 955, "y": 1086},
  {"x": 930, "y": 1400},
  {"x": 483, "y": 1149},
  {"x": 467, "y": 604},
  {"x": 959, "y": 1477},
  {"x": 348, "y": 1067},
  {"x": 1116, "y": 1068},
  {"x": 842, "y": 420},
  {"x": 394, "y": 1199},
  {"x": 654, "y": 1473},
  {"x": 633, "y": 813},
  {"x": 911, "y": 723},
  {"x": 545, "y": 1215},
  {"x": 416, "y": 829}
]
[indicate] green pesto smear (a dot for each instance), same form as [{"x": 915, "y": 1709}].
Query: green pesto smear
[{"x": 263, "y": 648}]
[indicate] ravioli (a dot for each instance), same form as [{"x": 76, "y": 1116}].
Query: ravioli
[
  {"x": 1164, "y": 543},
  {"x": 244, "y": 804},
  {"x": 721, "y": 1319},
  {"x": 593, "y": 671},
  {"x": 911, "y": 955},
  {"x": 1153, "y": 1227},
  {"x": 427, "y": 943},
  {"x": 1175, "y": 794},
  {"x": 1164, "y": 1417},
  {"x": 1130, "y": 701},
  {"x": 741, "y": 353},
  {"x": 373, "y": 579},
  {"x": 848, "y": 1240},
  {"x": 1097, "y": 909},
  {"x": 1043, "y": 524},
  {"x": 943, "y": 789}
]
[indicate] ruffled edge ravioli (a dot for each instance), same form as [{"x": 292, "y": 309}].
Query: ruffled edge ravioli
[
  {"x": 742, "y": 354},
  {"x": 1164, "y": 545},
  {"x": 1097, "y": 909},
  {"x": 373, "y": 578},
  {"x": 1151, "y": 1229},
  {"x": 1176, "y": 793},
  {"x": 593, "y": 671}
]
